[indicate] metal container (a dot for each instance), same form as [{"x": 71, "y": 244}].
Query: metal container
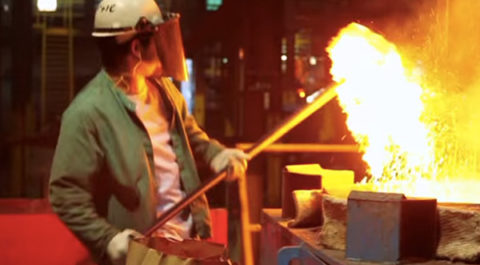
[
  {"x": 388, "y": 227},
  {"x": 298, "y": 177}
]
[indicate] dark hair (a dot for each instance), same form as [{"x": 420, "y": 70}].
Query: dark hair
[{"x": 113, "y": 54}]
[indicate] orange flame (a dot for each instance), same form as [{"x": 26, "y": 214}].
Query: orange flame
[{"x": 387, "y": 117}]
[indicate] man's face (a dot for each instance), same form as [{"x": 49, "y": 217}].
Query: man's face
[{"x": 150, "y": 65}]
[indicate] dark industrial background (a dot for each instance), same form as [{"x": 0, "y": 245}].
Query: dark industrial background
[{"x": 254, "y": 63}]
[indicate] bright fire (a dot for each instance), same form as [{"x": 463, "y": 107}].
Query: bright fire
[{"x": 386, "y": 113}]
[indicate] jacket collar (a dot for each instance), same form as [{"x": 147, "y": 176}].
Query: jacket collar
[
  {"x": 130, "y": 105},
  {"x": 117, "y": 91}
]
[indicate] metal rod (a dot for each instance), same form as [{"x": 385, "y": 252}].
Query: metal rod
[
  {"x": 245, "y": 221},
  {"x": 71, "y": 63},
  {"x": 292, "y": 121},
  {"x": 303, "y": 148},
  {"x": 269, "y": 138},
  {"x": 178, "y": 207},
  {"x": 43, "y": 73}
]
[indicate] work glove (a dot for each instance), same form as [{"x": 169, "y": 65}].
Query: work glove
[
  {"x": 234, "y": 160},
  {"x": 117, "y": 248}
]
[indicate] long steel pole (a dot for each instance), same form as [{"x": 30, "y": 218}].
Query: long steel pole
[{"x": 268, "y": 139}]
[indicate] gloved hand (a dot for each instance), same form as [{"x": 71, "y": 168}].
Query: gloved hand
[
  {"x": 235, "y": 159},
  {"x": 118, "y": 247}
]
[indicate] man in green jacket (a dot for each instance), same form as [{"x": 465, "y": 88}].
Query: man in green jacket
[{"x": 127, "y": 143}]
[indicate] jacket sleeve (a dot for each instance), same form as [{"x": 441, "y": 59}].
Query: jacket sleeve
[
  {"x": 76, "y": 162},
  {"x": 201, "y": 144}
]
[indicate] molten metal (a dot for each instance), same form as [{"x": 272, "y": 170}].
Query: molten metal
[{"x": 386, "y": 113}]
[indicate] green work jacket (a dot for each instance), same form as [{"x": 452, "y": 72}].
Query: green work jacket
[{"x": 102, "y": 179}]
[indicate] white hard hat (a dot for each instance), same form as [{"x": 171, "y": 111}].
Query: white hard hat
[{"x": 119, "y": 17}]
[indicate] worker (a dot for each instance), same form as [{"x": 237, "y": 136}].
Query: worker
[{"x": 127, "y": 145}]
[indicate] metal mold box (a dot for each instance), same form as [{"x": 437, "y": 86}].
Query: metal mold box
[{"x": 387, "y": 227}]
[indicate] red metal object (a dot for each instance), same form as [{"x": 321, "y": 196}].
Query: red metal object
[{"x": 30, "y": 233}]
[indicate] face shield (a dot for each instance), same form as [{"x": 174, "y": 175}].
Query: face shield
[{"x": 169, "y": 45}]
